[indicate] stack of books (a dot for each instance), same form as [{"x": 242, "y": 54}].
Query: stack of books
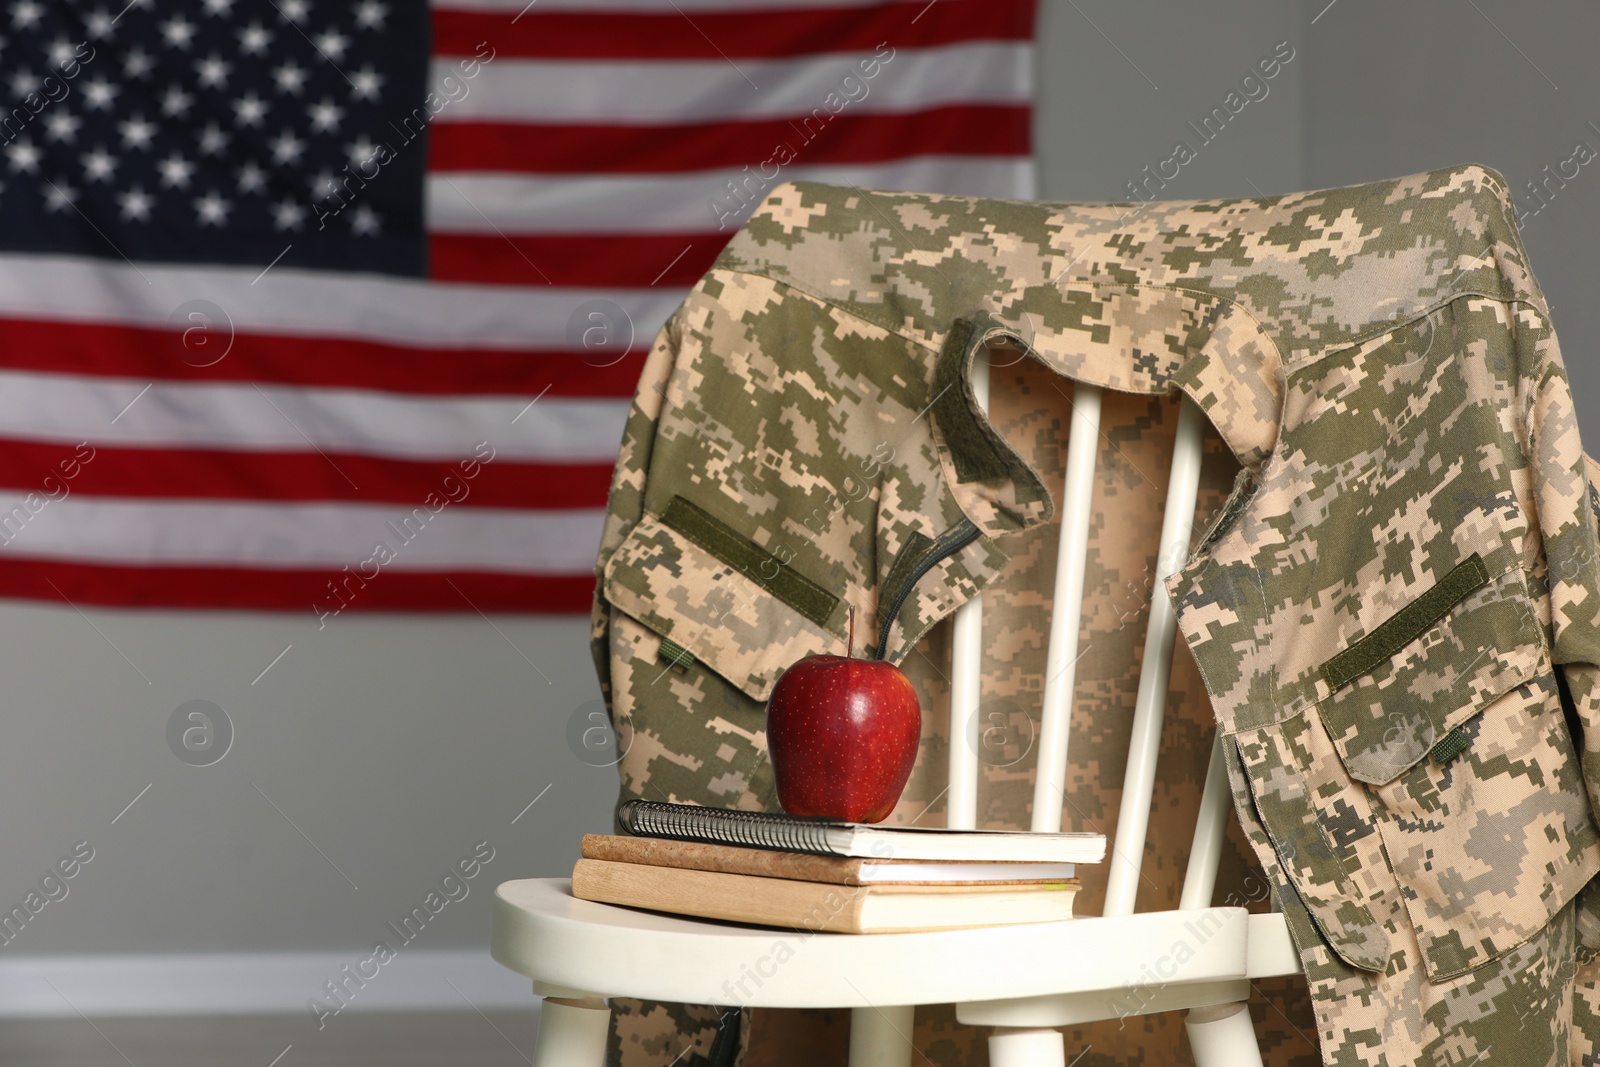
[{"x": 820, "y": 875}]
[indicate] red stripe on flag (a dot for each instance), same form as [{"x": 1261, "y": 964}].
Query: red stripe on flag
[
  {"x": 196, "y": 474},
  {"x": 62, "y": 582},
  {"x": 819, "y": 137},
  {"x": 575, "y": 259},
  {"x": 115, "y": 351},
  {"x": 755, "y": 33}
]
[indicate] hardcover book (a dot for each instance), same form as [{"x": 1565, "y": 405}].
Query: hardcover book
[
  {"x": 820, "y": 906},
  {"x": 805, "y": 867}
]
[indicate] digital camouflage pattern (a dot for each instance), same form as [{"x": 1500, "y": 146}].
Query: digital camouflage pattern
[{"x": 1391, "y": 608}]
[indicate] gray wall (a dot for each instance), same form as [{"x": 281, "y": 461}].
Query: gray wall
[
  {"x": 1375, "y": 91},
  {"x": 391, "y": 746},
  {"x": 364, "y": 764}
]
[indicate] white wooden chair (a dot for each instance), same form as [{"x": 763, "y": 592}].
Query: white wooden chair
[{"x": 1024, "y": 981}]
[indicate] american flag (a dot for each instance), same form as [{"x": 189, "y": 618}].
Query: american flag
[{"x": 339, "y": 305}]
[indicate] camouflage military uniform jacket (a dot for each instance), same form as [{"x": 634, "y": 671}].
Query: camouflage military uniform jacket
[{"x": 1395, "y": 613}]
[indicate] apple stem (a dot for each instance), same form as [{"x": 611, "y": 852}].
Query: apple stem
[{"x": 850, "y": 644}]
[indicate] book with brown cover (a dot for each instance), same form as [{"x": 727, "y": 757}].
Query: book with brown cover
[
  {"x": 819, "y": 906},
  {"x": 805, "y": 867}
]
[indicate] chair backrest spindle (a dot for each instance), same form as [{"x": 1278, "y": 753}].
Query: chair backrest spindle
[
  {"x": 1066, "y": 610},
  {"x": 1149, "y": 706},
  {"x": 966, "y": 676},
  {"x": 1200, "y": 878}
]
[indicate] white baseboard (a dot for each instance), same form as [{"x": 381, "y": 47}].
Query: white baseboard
[{"x": 252, "y": 983}]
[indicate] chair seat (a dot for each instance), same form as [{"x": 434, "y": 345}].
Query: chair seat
[{"x": 575, "y": 947}]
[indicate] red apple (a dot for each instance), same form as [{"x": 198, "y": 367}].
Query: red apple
[{"x": 843, "y": 735}]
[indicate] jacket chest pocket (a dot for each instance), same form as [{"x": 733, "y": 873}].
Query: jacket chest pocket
[
  {"x": 1453, "y": 795},
  {"x": 715, "y": 597},
  {"x": 702, "y": 623}
]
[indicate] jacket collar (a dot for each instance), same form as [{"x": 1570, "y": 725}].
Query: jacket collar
[
  {"x": 1221, "y": 299},
  {"x": 1129, "y": 337}
]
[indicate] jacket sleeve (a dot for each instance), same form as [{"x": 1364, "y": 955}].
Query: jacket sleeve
[
  {"x": 1580, "y": 685},
  {"x": 1565, "y": 483},
  {"x": 625, "y": 503},
  {"x": 1580, "y": 666}
]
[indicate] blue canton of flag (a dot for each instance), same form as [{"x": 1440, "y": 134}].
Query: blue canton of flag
[{"x": 220, "y": 131}]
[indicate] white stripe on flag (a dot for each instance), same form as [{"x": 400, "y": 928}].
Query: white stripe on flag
[
  {"x": 678, "y": 203},
  {"x": 607, "y": 91},
  {"x": 275, "y": 534},
  {"x": 303, "y": 303},
  {"x": 247, "y": 417}
]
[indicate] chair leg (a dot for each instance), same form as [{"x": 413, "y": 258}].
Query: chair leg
[
  {"x": 881, "y": 1037},
  {"x": 1026, "y": 1048},
  {"x": 1223, "y": 1036},
  {"x": 572, "y": 1033}
]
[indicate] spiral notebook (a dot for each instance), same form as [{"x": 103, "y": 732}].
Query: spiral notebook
[{"x": 825, "y": 837}]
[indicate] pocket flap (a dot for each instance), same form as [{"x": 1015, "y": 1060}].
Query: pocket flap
[
  {"x": 1396, "y": 694},
  {"x": 717, "y": 595}
]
